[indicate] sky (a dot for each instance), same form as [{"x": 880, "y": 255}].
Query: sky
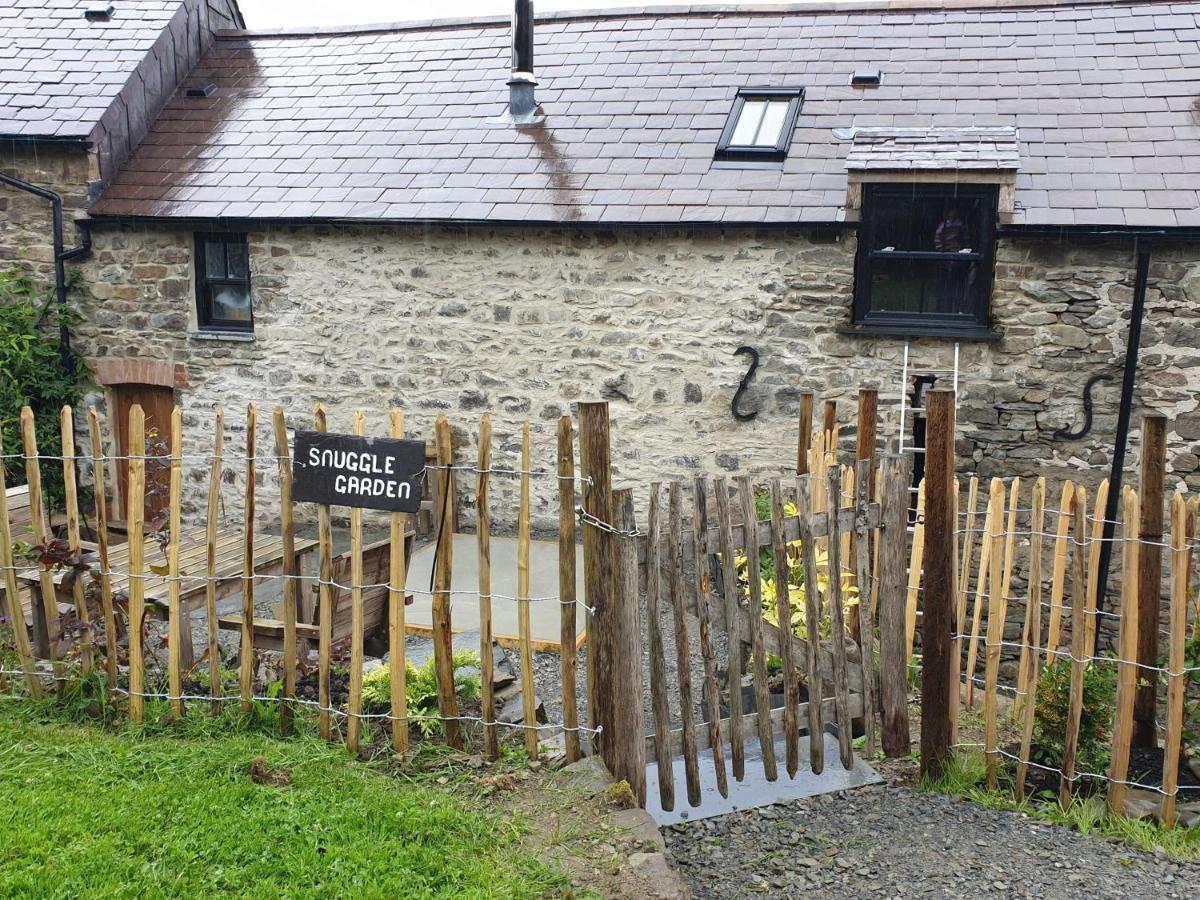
[{"x": 285, "y": 13}]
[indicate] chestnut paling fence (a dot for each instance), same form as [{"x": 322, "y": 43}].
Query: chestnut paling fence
[
  {"x": 1120, "y": 638},
  {"x": 834, "y": 550},
  {"x": 73, "y": 611},
  {"x": 92, "y": 604}
]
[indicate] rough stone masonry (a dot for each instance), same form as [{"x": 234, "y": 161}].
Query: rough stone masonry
[{"x": 524, "y": 323}]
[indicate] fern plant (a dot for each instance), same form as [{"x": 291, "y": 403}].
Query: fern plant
[{"x": 421, "y": 689}]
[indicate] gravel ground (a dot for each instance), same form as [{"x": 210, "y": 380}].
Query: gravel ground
[{"x": 897, "y": 842}]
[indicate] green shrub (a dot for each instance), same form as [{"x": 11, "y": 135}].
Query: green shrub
[
  {"x": 421, "y": 688},
  {"x": 1095, "y": 720},
  {"x": 31, "y": 374}
]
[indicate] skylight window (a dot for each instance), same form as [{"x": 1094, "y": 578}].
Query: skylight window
[{"x": 760, "y": 124}]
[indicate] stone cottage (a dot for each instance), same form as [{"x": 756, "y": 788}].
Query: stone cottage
[{"x": 440, "y": 217}]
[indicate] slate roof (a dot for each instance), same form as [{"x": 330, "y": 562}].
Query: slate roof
[
  {"x": 397, "y": 123},
  {"x": 59, "y": 72}
]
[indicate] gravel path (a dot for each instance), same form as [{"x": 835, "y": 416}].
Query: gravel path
[{"x": 897, "y": 842}]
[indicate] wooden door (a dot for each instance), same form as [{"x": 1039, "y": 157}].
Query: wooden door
[{"x": 157, "y": 403}]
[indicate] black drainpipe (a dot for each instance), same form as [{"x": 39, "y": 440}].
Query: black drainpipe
[
  {"x": 61, "y": 257},
  {"x": 1141, "y": 275}
]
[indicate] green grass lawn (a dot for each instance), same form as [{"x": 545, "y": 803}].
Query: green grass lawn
[{"x": 93, "y": 812}]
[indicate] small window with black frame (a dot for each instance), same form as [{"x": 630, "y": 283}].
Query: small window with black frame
[
  {"x": 760, "y": 125},
  {"x": 223, "y": 283},
  {"x": 925, "y": 258}
]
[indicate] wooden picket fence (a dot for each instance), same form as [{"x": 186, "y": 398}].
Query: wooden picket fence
[
  {"x": 1064, "y": 604},
  {"x": 947, "y": 579},
  {"x": 84, "y": 574},
  {"x": 116, "y": 590}
]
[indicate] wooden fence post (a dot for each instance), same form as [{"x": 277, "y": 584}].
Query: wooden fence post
[
  {"x": 354, "y": 699},
  {"x": 1079, "y": 649},
  {"x": 397, "y": 577},
  {"x": 595, "y": 468},
  {"x": 866, "y": 622},
  {"x": 568, "y": 641},
  {"x": 325, "y": 598},
  {"x": 804, "y": 442},
  {"x": 216, "y": 689},
  {"x": 754, "y": 619},
  {"x": 67, "y": 429},
  {"x": 483, "y": 539},
  {"x": 683, "y": 657},
  {"x": 937, "y": 621},
  {"x": 246, "y": 677},
  {"x": 290, "y": 585},
  {"x": 733, "y": 628},
  {"x": 442, "y": 584},
  {"x": 659, "y": 703},
  {"x": 177, "y": 619},
  {"x": 1176, "y": 680},
  {"x": 960, "y": 612},
  {"x": 16, "y": 617},
  {"x": 524, "y": 628},
  {"x": 704, "y": 605},
  {"x": 895, "y": 473},
  {"x": 868, "y": 425},
  {"x": 1151, "y": 497},
  {"x": 868, "y": 414},
  {"x": 626, "y": 743},
  {"x": 41, "y": 534},
  {"x": 135, "y": 520},
  {"x": 829, "y": 431},
  {"x": 106, "y": 603},
  {"x": 791, "y": 698}
]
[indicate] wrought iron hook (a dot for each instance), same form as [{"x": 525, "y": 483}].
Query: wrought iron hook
[
  {"x": 737, "y": 397},
  {"x": 1065, "y": 433}
]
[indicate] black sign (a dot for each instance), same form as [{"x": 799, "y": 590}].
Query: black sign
[{"x": 366, "y": 472}]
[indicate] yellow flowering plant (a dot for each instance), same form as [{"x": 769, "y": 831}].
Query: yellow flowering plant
[{"x": 797, "y": 586}]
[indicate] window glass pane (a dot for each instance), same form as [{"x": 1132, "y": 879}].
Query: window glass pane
[
  {"x": 214, "y": 259},
  {"x": 748, "y": 122},
  {"x": 235, "y": 256},
  {"x": 772, "y": 123},
  {"x": 938, "y": 222},
  {"x": 930, "y": 286},
  {"x": 231, "y": 303}
]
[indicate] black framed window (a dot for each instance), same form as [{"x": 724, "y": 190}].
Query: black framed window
[
  {"x": 760, "y": 124},
  {"x": 925, "y": 258},
  {"x": 223, "y": 282}
]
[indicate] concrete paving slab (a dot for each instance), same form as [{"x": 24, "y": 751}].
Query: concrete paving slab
[
  {"x": 755, "y": 790},
  {"x": 544, "y": 615}
]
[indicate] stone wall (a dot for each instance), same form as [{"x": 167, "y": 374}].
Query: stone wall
[
  {"x": 26, "y": 235},
  {"x": 525, "y": 323}
]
